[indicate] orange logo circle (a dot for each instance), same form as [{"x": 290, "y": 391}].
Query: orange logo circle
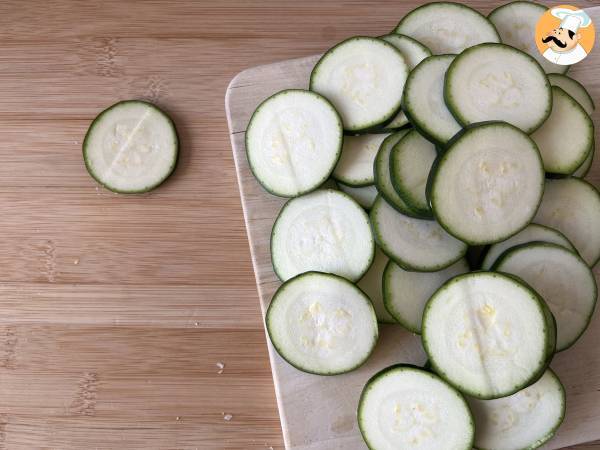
[{"x": 565, "y": 35}]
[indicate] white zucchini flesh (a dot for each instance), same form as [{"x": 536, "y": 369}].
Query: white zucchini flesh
[
  {"x": 372, "y": 284},
  {"x": 355, "y": 167},
  {"x": 563, "y": 280},
  {"x": 321, "y": 323},
  {"x": 410, "y": 163},
  {"x": 533, "y": 232},
  {"x": 566, "y": 138},
  {"x": 325, "y": 231},
  {"x": 498, "y": 82},
  {"x": 399, "y": 121},
  {"x": 414, "y": 244},
  {"x": 572, "y": 206},
  {"x": 364, "y": 78},
  {"x": 524, "y": 420},
  {"x": 488, "y": 184},
  {"x": 424, "y": 100},
  {"x": 131, "y": 147},
  {"x": 413, "y": 51},
  {"x": 364, "y": 196},
  {"x": 406, "y": 293},
  {"x": 404, "y": 407},
  {"x": 583, "y": 170},
  {"x": 486, "y": 334},
  {"x": 446, "y": 27},
  {"x": 516, "y": 23},
  {"x": 575, "y": 89},
  {"x": 293, "y": 142}
]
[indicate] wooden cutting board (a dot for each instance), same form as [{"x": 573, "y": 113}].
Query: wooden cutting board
[{"x": 318, "y": 413}]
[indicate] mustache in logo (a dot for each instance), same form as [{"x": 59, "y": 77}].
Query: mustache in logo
[{"x": 556, "y": 41}]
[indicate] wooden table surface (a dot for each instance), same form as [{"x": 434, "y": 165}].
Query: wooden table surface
[{"x": 115, "y": 310}]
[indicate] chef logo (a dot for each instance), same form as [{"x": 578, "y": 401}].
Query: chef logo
[{"x": 565, "y": 35}]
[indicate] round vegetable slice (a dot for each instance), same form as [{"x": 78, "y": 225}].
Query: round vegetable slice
[
  {"x": 446, "y": 27},
  {"x": 524, "y": 420},
  {"x": 423, "y": 100},
  {"x": 405, "y": 407},
  {"x": 371, "y": 283},
  {"x": 364, "y": 78},
  {"x": 486, "y": 334},
  {"x": 488, "y": 184},
  {"x": 131, "y": 147},
  {"x": 572, "y": 206},
  {"x": 516, "y": 22},
  {"x": 575, "y": 89},
  {"x": 325, "y": 231},
  {"x": 364, "y": 196},
  {"x": 293, "y": 142},
  {"x": 498, "y": 82},
  {"x": 414, "y": 244},
  {"x": 321, "y": 323},
  {"x": 406, "y": 293},
  {"x": 533, "y": 232},
  {"x": 563, "y": 280},
  {"x": 410, "y": 163},
  {"x": 355, "y": 167}
]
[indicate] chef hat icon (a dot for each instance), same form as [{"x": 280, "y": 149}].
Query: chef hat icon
[{"x": 572, "y": 20}]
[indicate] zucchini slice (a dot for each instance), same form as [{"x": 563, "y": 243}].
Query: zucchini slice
[
  {"x": 575, "y": 89},
  {"x": 533, "y": 232},
  {"x": 423, "y": 100},
  {"x": 488, "y": 184},
  {"x": 364, "y": 78},
  {"x": 372, "y": 284},
  {"x": 406, "y": 293},
  {"x": 572, "y": 206},
  {"x": 413, "y": 244},
  {"x": 131, "y": 147},
  {"x": 486, "y": 334},
  {"x": 410, "y": 163},
  {"x": 498, "y": 82},
  {"x": 566, "y": 139},
  {"x": 446, "y": 27},
  {"x": 355, "y": 167},
  {"x": 563, "y": 280},
  {"x": 324, "y": 231},
  {"x": 321, "y": 323},
  {"x": 524, "y": 420},
  {"x": 364, "y": 196},
  {"x": 406, "y": 407},
  {"x": 516, "y": 22},
  {"x": 293, "y": 142}
]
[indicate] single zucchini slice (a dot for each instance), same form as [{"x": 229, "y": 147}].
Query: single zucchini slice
[
  {"x": 131, "y": 147},
  {"x": 498, "y": 82},
  {"x": 533, "y": 232},
  {"x": 525, "y": 420},
  {"x": 486, "y": 334},
  {"x": 410, "y": 163},
  {"x": 516, "y": 22},
  {"x": 446, "y": 27},
  {"x": 413, "y": 244},
  {"x": 383, "y": 178},
  {"x": 371, "y": 283},
  {"x": 566, "y": 139},
  {"x": 355, "y": 167},
  {"x": 584, "y": 169},
  {"x": 406, "y": 293},
  {"x": 324, "y": 231},
  {"x": 364, "y": 78},
  {"x": 406, "y": 407},
  {"x": 321, "y": 323},
  {"x": 293, "y": 142},
  {"x": 488, "y": 184},
  {"x": 575, "y": 89},
  {"x": 572, "y": 206},
  {"x": 364, "y": 196},
  {"x": 563, "y": 280},
  {"x": 423, "y": 100}
]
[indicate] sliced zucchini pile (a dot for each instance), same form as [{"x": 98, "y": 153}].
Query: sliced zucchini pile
[{"x": 463, "y": 144}]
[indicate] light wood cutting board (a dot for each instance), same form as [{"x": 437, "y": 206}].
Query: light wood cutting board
[{"x": 318, "y": 413}]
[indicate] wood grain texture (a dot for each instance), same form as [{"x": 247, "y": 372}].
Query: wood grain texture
[{"x": 115, "y": 310}]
